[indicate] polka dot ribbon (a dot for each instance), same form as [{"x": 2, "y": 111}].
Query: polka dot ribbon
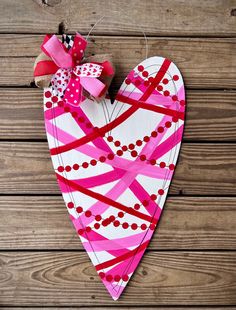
[{"x": 71, "y": 78}]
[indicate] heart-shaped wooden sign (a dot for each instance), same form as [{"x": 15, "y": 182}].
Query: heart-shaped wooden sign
[{"x": 114, "y": 163}]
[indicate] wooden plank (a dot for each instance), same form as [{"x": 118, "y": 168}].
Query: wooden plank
[
  {"x": 42, "y": 223},
  {"x": 205, "y": 63},
  {"x": 203, "y": 169},
  {"x": 211, "y": 115},
  {"x": 156, "y": 17},
  {"x": 163, "y": 278}
]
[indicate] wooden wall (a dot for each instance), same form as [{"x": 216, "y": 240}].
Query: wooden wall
[{"x": 191, "y": 262}]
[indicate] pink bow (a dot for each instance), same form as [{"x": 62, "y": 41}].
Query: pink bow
[{"x": 72, "y": 77}]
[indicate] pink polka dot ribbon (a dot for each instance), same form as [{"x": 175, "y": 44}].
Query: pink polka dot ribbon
[{"x": 70, "y": 75}]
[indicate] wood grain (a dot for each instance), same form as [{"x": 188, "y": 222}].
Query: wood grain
[
  {"x": 42, "y": 223},
  {"x": 204, "y": 63},
  {"x": 211, "y": 115},
  {"x": 155, "y": 17},
  {"x": 68, "y": 278},
  {"x": 203, "y": 169}
]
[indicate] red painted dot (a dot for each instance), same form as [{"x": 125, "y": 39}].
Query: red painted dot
[
  {"x": 75, "y": 166},
  {"x": 174, "y": 98},
  {"x": 102, "y": 275},
  {"x": 145, "y": 203},
  {"x": 88, "y": 229},
  {"x": 146, "y": 83},
  {"x": 117, "y": 143},
  {"x": 140, "y": 68},
  {"x": 168, "y": 124},
  {"x": 68, "y": 168},
  {"x": 119, "y": 152},
  {"x": 153, "y": 197},
  {"x": 110, "y": 156},
  {"x": 116, "y": 223},
  {"x": 161, "y": 192},
  {"x": 85, "y": 165},
  {"x": 117, "y": 278},
  {"x": 88, "y": 213},
  {"x": 105, "y": 222},
  {"x": 152, "y": 226},
  {"x": 131, "y": 146},
  {"x": 153, "y": 162},
  {"x": 74, "y": 114},
  {"x": 159, "y": 87},
  {"x": 175, "y": 77},
  {"x": 143, "y": 226},
  {"x": 134, "y": 153},
  {"x": 112, "y": 218},
  {"x": 67, "y": 109},
  {"x": 81, "y": 119},
  {"x": 60, "y": 103},
  {"x": 137, "y": 82},
  {"x": 79, "y": 209},
  {"x": 143, "y": 157},
  {"x": 98, "y": 217},
  {"x": 125, "y": 225},
  {"x": 134, "y": 226},
  {"x": 48, "y": 104},
  {"x": 102, "y": 159},
  {"x": 139, "y": 142},
  {"x": 121, "y": 214},
  {"x": 182, "y": 102},
  {"x": 70, "y": 205},
  {"x": 109, "y": 138},
  {"x": 109, "y": 277},
  {"x": 54, "y": 99},
  {"x": 160, "y": 129},
  {"x": 93, "y": 162},
  {"x": 145, "y": 74},
  {"x": 125, "y": 278},
  {"x": 175, "y": 119},
  {"x": 146, "y": 139},
  {"x": 124, "y": 148},
  {"x": 80, "y": 231},
  {"x": 165, "y": 81},
  {"x": 150, "y": 79},
  {"x": 154, "y": 134},
  {"x": 162, "y": 164},
  {"x": 136, "y": 206},
  {"x": 166, "y": 93},
  {"x": 171, "y": 166},
  {"x": 96, "y": 225},
  {"x": 127, "y": 81},
  {"x": 48, "y": 94},
  {"x": 60, "y": 168}
]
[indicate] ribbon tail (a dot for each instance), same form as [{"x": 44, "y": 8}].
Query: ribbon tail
[
  {"x": 74, "y": 91},
  {"x": 93, "y": 86}
]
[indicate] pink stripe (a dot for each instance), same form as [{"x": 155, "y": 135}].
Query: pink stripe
[
  {"x": 169, "y": 143},
  {"x": 114, "y": 244}
]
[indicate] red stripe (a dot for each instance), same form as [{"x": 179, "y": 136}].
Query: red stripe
[
  {"x": 101, "y": 131},
  {"x": 150, "y": 107},
  {"x": 90, "y": 137},
  {"x": 105, "y": 199},
  {"x": 123, "y": 257}
]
